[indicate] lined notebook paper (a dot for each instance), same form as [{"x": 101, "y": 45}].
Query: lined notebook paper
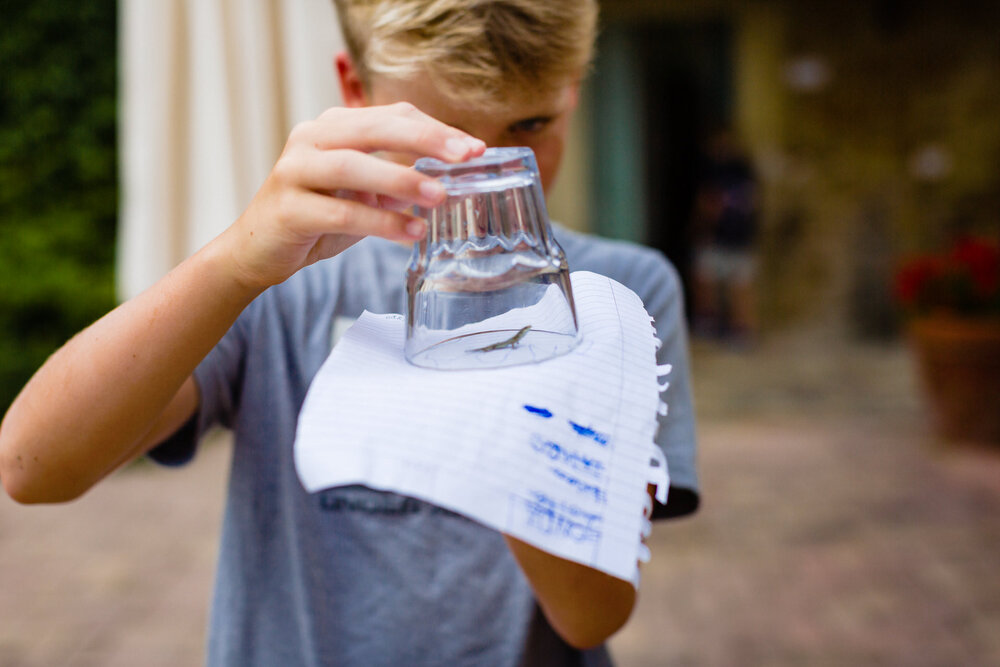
[{"x": 557, "y": 453}]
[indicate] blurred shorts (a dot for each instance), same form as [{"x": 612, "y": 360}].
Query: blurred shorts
[{"x": 726, "y": 265}]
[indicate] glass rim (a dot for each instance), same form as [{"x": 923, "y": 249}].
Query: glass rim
[
  {"x": 498, "y": 168},
  {"x": 493, "y": 157}
]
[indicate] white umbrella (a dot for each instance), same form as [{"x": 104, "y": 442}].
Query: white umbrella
[{"x": 209, "y": 91}]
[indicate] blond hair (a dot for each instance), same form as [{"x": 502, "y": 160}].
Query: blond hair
[{"x": 479, "y": 53}]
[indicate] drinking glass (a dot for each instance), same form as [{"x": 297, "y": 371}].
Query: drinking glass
[{"x": 489, "y": 285}]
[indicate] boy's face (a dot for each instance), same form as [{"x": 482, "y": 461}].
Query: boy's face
[{"x": 540, "y": 123}]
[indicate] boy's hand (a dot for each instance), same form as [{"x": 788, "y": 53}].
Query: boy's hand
[{"x": 326, "y": 190}]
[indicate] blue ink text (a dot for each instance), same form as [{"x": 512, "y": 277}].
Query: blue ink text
[
  {"x": 552, "y": 518},
  {"x": 599, "y": 438},
  {"x": 572, "y": 459},
  {"x": 583, "y": 487}
]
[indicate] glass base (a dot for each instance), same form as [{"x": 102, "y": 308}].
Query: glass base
[{"x": 496, "y": 348}]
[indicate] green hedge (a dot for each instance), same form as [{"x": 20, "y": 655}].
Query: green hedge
[{"x": 58, "y": 176}]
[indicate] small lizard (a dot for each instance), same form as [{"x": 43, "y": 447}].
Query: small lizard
[{"x": 510, "y": 342}]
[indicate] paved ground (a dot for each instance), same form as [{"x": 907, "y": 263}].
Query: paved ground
[{"x": 835, "y": 531}]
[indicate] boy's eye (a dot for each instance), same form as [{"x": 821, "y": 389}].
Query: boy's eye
[{"x": 530, "y": 125}]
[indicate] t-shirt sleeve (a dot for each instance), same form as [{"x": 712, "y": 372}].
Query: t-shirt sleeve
[
  {"x": 660, "y": 289},
  {"x": 219, "y": 378}
]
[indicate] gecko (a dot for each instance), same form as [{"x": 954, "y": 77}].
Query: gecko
[{"x": 510, "y": 342}]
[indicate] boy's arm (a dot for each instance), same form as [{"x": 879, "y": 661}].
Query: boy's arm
[
  {"x": 584, "y": 605},
  {"x": 92, "y": 405},
  {"x": 124, "y": 383}
]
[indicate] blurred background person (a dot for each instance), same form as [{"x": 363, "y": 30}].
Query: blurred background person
[{"x": 725, "y": 231}]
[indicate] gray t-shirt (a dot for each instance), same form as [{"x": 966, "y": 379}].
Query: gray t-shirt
[{"x": 353, "y": 576}]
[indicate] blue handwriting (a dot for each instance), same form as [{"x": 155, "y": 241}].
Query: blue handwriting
[
  {"x": 583, "y": 487},
  {"x": 599, "y": 438},
  {"x": 570, "y": 458},
  {"x": 552, "y": 518}
]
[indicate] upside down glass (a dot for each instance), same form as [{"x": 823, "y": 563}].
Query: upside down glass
[{"x": 488, "y": 286}]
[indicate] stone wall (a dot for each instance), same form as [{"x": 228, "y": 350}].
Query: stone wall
[{"x": 888, "y": 141}]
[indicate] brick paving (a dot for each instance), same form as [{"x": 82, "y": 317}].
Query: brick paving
[{"x": 835, "y": 530}]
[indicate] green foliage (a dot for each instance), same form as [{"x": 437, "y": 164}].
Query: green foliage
[{"x": 58, "y": 177}]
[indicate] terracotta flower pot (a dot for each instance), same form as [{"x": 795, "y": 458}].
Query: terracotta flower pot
[{"x": 959, "y": 364}]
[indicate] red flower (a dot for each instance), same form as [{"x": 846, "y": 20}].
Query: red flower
[
  {"x": 913, "y": 277},
  {"x": 981, "y": 259},
  {"x": 965, "y": 279}
]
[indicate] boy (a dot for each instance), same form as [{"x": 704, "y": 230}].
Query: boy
[{"x": 235, "y": 334}]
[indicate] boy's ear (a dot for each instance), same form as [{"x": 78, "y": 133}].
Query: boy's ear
[
  {"x": 352, "y": 89},
  {"x": 575, "y": 95}
]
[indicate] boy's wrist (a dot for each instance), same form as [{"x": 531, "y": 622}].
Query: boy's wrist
[{"x": 230, "y": 275}]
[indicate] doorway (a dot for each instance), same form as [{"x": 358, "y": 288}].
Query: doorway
[{"x": 661, "y": 88}]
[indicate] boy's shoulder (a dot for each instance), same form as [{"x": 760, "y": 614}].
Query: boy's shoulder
[
  {"x": 589, "y": 245},
  {"x": 625, "y": 261}
]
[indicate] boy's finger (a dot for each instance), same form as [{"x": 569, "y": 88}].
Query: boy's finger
[
  {"x": 379, "y": 201},
  {"x": 323, "y": 214},
  {"x": 329, "y": 171},
  {"x": 393, "y": 204},
  {"x": 399, "y": 128}
]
